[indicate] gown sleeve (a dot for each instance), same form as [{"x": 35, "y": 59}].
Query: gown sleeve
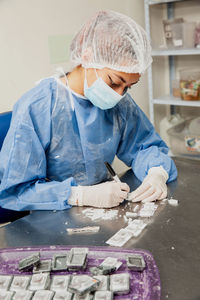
[
  {"x": 141, "y": 148},
  {"x": 23, "y": 183}
]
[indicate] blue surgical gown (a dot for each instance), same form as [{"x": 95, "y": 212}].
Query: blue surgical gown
[{"x": 56, "y": 141}]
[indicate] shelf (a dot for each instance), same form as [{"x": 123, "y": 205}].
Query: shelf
[
  {"x": 168, "y": 52},
  {"x": 170, "y": 100},
  {"x": 171, "y": 54},
  {"x": 152, "y": 2}
]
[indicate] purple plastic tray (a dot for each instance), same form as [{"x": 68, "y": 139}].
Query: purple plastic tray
[{"x": 143, "y": 285}]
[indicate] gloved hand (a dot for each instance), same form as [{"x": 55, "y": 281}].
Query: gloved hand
[
  {"x": 152, "y": 188},
  {"x": 103, "y": 195}
]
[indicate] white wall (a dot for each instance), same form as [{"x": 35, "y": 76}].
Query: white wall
[{"x": 24, "y": 30}]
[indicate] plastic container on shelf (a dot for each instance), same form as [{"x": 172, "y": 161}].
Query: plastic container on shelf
[
  {"x": 190, "y": 84},
  {"x": 183, "y": 140},
  {"x": 183, "y": 34},
  {"x": 176, "y": 91},
  {"x": 179, "y": 34},
  {"x": 166, "y": 123},
  {"x": 168, "y": 32}
]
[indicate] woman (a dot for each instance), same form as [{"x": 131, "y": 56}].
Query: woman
[{"x": 64, "y": 129}]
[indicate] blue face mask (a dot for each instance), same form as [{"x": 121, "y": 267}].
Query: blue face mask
[{"x": 100, "y": 94}]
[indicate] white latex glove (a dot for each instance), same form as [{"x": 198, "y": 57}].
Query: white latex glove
[
  {"x": 152, "y": 188},
  {"x": 103, "y": 195}
]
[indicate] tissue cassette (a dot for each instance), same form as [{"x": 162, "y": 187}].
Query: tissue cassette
[
  {"x": 77, "y": 259},
  {"x": 39, "y": 281},
  {"x": 120, "y": 283},
  {"x": 81, "y": 284},
  {"x": 136, "y": 262},
  {"x": 43, "y": 295},
  {"x": 6, "y": 295},
  {"x": 60, "y": 282},
  {"x": 20, "y": 283},
  {"x": 44, "y": 266},
  {"x": 29, "y": 262},
  {"x": 103, "y": 295},
  {"x": 64, "y": 295},
  {"x": 83, "y": 297},
  {"x": 103, "y": 282},
  {"x": 59, "y": 262},
  {"x": 22, "y": 295},
  {"x": 102, "y": 270},
  {"x": 5, "y": 282}
]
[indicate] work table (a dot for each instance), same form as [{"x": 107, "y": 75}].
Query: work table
[{"x": 172, "y": 234}]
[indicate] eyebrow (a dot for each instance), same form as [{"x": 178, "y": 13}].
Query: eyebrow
[{"x": 122, "y": 79}]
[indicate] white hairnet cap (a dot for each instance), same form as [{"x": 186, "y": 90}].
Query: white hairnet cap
[{"x": 113, "y": 40}]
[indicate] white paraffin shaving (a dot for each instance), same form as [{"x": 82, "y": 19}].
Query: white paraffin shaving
[
  {"x": 136, "y": 227},
  {"x": 148, "y": 210},
  {"x": 83, "y": 229},
  {"x": 173, "y": 202},
  {"x": 131, "y": 214},
  {"x": 120, "y": 238},
  {"x": 100, "y": 213},
  {"x": 136, "y": 208}
]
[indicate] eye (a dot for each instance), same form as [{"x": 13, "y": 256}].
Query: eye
[{"x": 112, "y": 83}]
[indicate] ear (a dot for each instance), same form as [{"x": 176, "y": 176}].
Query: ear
[{"x": 87, "y": 55}]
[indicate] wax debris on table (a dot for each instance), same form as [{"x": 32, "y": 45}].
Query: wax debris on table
[
  {"x": 44, "y": 266},
  {"x": 136, "y": 208},
  {"x": 59, "y": 262},
  {"x": 103, "y": 295},
  {"x": 5, "y": 282},
  {"x": 82, "y": 284},
  {"x": 163, "y": 201},
  {"x": 83, "y": 229},
  {"x": 100, "y": 213},
  {"x": 60, "y": 283},
  {"x": 125, "y": 219},
  {"x": 23, "y": 295},
  {"x": 43, "y": 295},
  {"x": 120, "y": 283},
  {"x": 136, "y": 262},
  {"x": 173, "y": 202},
  {"x": 20, "y": 283},
  {"x": 120, "y": 238},
  {"x": 130, "y": 214},
  {"x": 39, "y": 281}
]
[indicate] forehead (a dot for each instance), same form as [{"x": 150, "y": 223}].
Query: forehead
[{"x": 128, "y": 77}]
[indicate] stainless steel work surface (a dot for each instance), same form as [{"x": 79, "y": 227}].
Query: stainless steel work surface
[{"x": 172, "y": 235}]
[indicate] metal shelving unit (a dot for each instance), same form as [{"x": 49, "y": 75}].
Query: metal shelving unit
[
  {"x": 152, "y": 2},
  {"x": 170, "y": 53},
  {"x": 170, "y": 100},
  {"x": 173, "y": 52}
]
